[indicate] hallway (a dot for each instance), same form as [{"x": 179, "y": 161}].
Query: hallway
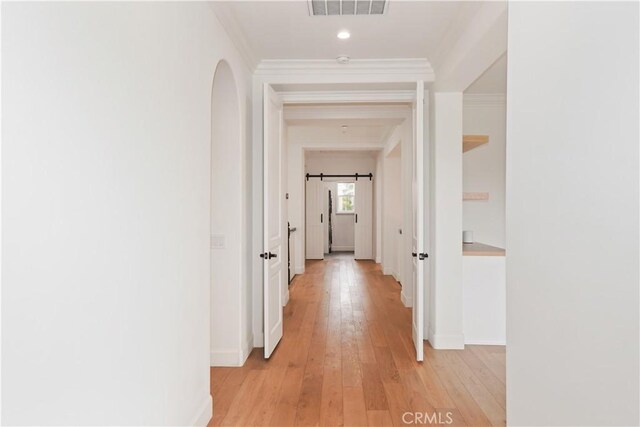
[{"x": 347, "y": 358}]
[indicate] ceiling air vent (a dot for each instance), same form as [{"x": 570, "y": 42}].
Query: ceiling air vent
[{"x": 347, "y": 7}]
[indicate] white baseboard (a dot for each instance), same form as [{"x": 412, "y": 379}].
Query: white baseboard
[
  {"x": 299, "y": 269},
  {"x": 226, "y": 357},
  {"x": 247, "y": 346},
  {"x": 232, "y": 357},
  {"x": 484, "y": 342},
  {"x": 378, "y": 260},
  {"x": 258, "y": 339},
  {"x": 446, "y": 341},
  {"x": 204, "y": 414},
  {"x": 407, "y": 301},
  {"x": 285, "y": 298},
  {"x": 342, "y": 248}
]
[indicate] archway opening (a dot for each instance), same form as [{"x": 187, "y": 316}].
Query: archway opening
[{"x": 226, "y": 220}]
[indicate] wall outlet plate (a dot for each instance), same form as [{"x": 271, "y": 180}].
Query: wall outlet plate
[{"x": 217, "y": 241}]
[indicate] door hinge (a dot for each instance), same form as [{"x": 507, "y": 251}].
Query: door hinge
[{"x": 422, "y": 256}]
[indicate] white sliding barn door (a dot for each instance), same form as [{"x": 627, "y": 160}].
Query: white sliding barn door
[
  {"x": 419, "y": 216},
  {"x": 314, "y": 219},
  {"x": 275, "y": 232},
  {"x": 363, "y": 219}
]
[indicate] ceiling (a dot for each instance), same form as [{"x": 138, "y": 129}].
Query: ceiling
[
  {"x": 493, "y": 80},
  {"x": 285, "y": 30}
]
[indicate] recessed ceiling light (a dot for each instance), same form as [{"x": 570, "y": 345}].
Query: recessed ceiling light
[{"x": 344, "y": 34}]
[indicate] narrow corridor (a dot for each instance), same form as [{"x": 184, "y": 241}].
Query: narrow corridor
[{"x": 347, "y": 358}]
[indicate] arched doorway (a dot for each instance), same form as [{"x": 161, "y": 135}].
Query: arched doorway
[{"x": 226, "y": 219}]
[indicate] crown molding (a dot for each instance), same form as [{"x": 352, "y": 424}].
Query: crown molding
[
  {"x": 386, "y": 69},
  {"x": 326, "y": 112},
  {"x": 347, "y": 96},
  {"x": 229, "y": 23},
  {"x": 484, "y": 100}
]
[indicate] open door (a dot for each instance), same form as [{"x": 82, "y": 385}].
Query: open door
[
  {"x": 363, "y": 219},
  {"x": 274, "y": 222},
  {"x": 419, "y": 253},
  {"x": 314, "y": 219}
]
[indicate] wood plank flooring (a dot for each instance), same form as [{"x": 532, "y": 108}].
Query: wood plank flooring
[{"x": 347, "y": 358}]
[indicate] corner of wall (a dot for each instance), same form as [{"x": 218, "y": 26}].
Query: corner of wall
[
  {"x": 204, "y": 414},
  {"x": 406, "y": 300},
  {"x": 446, "y": 341}
]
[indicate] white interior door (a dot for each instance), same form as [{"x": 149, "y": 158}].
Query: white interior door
[
  {"x": 315, "y": 219},
  {"x": 419, "y": 251},
  {"x": 275, "y": 231},
  {"x": 363, "y": 219}
]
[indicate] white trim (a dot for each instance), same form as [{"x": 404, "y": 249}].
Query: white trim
[
  {"x": 299, "y": 269},
  {"x": 485, "y": 342},
  {"x": 406, "y": 300},
  {"x": 446, "y": 341},
  {"x": 397, "y": 113},
  {"x": 247, "y": 346},
  {"x": 228, "y": 21},
  {"x": 484, "y": 100},
  {"x": 230, "y": 357},
  {"x": 285, "y": 297},
  {"x": 347, "y": 96},
  {"x": 342, "y": 248},
  {"x": 411, "y": 68},
  {"x": 204, "y": 415},
  {"x": 258, "y": 339}
]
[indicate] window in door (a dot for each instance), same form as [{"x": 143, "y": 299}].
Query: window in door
[{"x": 346, "y": 198}]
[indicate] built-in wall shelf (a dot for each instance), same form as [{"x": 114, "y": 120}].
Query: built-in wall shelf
[
  {"x": 469, "y": 142},
  {"x": 475, "y": 196}
]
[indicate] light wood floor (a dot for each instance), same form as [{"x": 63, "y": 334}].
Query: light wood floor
[{"x": 347, "y": 358}]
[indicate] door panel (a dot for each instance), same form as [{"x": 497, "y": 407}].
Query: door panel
[
  {"x": 363, "y": 219},
  {"x": 314, "y": 222},
  {"x": 419, "y": 250},
  {"x": 274, "y": 221}
]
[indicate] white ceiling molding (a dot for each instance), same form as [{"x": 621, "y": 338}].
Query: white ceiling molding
[
  {"x": 483, "y": 41},
  {"x": 228, "y": 20},
  {"x": 347, "y": 144},
  {"x": 333, "y": 145},
  {"x": 354, "y": 96},
  {"x": 329, "y": 112},
  {"x": 484, "y": 100},
  {"x": 356, "y": 71}
]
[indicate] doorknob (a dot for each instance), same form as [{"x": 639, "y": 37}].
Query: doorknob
[
  {"x": 268, "y": 255},
  {"x": 423, "y": 256}
]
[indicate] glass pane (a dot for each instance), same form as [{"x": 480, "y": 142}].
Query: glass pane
[
  {"x": 346, "y": 188},
  {"x": 345, "y": 204}
]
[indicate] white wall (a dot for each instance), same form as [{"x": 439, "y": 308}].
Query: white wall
[
  {"x": 392, "y": 212},
  {"x": 484, "y": 299},
  {"x": 400, "y": 247},
  {"x": 105, "y": 246},
  {"x": 572, "y": 214},
  {"x": 483, "y": 168},
  {"x": 446, "y": 306}
]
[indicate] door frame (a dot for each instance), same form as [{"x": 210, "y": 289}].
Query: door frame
[{"x": 403, "y": 73}]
